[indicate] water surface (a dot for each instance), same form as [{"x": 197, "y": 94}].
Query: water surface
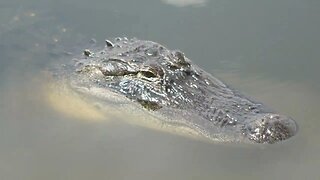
[{"x": 265, "y": 49}]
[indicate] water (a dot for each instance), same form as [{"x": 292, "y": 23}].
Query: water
[{"x": 266, "y": 49}]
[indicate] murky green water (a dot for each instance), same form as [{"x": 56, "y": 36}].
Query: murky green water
[{"x": 266, "y": 49}]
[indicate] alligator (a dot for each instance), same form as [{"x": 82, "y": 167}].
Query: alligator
[{"x": 167, "y": 84}]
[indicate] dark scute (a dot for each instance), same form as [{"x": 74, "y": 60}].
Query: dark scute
[
  {"x": 181, "y": 59},
  {"x": 109, "y": 43},
  {"x": 87, "y": 52}
]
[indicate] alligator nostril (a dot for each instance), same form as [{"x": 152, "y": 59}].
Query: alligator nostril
[{"x": 270, "y": 128}]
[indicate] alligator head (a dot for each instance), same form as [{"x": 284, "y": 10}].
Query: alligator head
[{"x": 166, "y": 81}]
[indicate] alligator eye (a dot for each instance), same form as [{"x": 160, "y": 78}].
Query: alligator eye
[{"x": 148, "y": 74}]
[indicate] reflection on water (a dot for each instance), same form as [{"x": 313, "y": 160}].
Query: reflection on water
[
  {"x": 38, "y": 142},
  {"x": 63, "y": 100}
]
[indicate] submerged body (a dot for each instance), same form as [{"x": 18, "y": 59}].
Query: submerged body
[{"x": 168, "y": 85}]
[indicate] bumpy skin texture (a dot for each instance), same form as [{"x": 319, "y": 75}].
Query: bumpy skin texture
[{"x": 166, "y": 82}]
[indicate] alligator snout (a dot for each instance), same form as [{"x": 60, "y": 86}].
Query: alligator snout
[{"x": 270, "y": 128}]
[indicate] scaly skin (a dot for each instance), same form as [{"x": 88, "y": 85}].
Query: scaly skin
[{"x": 168, "y": 83}]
